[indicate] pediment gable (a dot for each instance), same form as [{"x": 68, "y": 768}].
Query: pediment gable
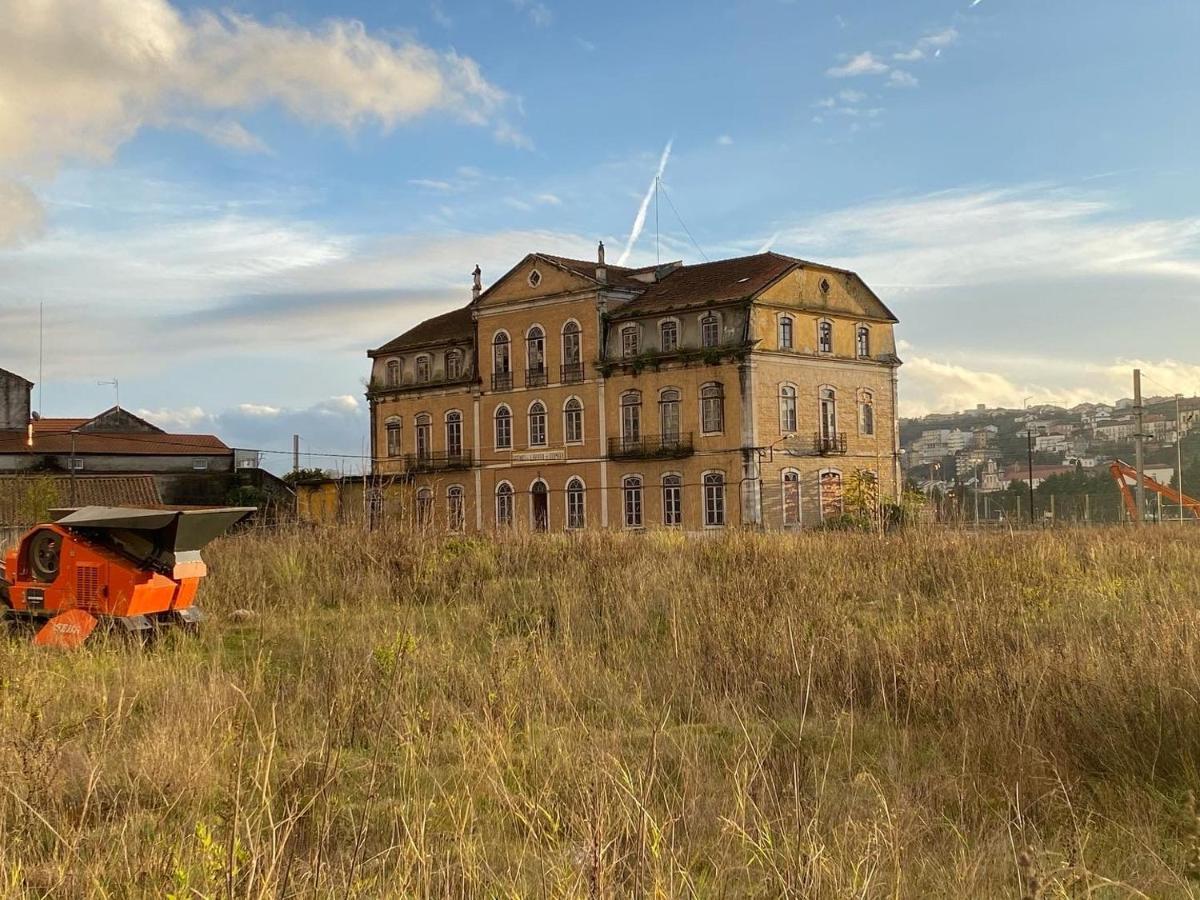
[
  {"x": 817, "y": 288},
  {"x": 534, "y": 277}
]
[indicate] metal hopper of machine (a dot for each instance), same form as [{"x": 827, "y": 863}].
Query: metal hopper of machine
[{"x": 136, "y": 568}]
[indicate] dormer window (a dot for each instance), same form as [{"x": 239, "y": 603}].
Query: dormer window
[
  {"x": 393, "y": 373},
  {"x": 631, "y": 343},
  {"x": 422, "y": 369},
  {"x": 453, "y": 365},
  {"x": 710, "y": 331},
  {"x": 668, "y": 335}
]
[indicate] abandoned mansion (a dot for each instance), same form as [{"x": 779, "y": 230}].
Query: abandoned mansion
[{"x": 573, "y": 394}]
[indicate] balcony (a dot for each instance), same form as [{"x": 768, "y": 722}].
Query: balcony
[
  {"x": 663, "y": 446},
  {"x": 830, "y": 443},
  {"x": 437, "y": 462},
  {"x": 571, "y": 373},
  {"x": 502, "y": 381},
  {"x": 535, "y": 377}
]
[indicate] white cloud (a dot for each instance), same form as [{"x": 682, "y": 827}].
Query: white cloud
[
  {"x": 862, "y": 64},
  {"x": 851, "y": 96},
  {"x": 827, "y": 103},
  {"x": 80, "y": 79},
  {"x": 943, "y": 38},
  {"x": 725, "y": 140},
  {"x": 981, "y": 237},
  {"x": 548, "y": 200},
  {"x": 227, "y": 133},
  {"x": 912, "y": 55},
  {"x": 900, "y": 78}
]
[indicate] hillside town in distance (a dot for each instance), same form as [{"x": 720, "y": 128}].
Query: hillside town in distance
[{"x": 994, "y": 454}]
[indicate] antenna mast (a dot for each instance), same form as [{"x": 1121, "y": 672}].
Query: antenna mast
[{"x": 41, "y": 355}]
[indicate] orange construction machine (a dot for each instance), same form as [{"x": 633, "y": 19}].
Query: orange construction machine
[
  {"x": 135, "y": 568},
  {"x": 1126, "y": 476}
]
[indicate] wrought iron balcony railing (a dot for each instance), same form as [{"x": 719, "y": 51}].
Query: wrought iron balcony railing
[
  {"x": 571, "y": 373},
  {"x": 651, "y": 446},
  {"x": 437, "y": 461},
  {"x": 535, "y": 377},
  {"x": 830, "y": 442},
  {"x": 502, "y": 381}
]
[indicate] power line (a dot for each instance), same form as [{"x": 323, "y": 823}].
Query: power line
[{"x": 684, "y": 224}]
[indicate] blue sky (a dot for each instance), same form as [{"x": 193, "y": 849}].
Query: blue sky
[{"x": 224, "y": 205}]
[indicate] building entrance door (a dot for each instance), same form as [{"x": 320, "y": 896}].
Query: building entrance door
[{"x": 541, "y": 507}]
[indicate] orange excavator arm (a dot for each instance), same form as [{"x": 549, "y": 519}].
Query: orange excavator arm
[{"x": 1126, "y": 475}]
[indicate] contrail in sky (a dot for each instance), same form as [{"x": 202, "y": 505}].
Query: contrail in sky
[
  {"x": 975, "y": 3},
  {"x": 639, "y": 221}
]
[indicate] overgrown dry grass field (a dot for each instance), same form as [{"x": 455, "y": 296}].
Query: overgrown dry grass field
[{"x": 926, "y": 714}]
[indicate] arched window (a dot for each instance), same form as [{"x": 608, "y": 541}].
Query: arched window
[
  {"x": 668, "y": 415},
  {"x": 576, "y": 504},
  {"x": 712, "y": 408},
  {"x": 787, "y": 409},
  {"x": 424, "y": 506},
  {"x": 631, "y": 490},
  {"x": 785, "y": 332},
  {"x": 862, "y": 341},
  {"x": 535, "y": 351},
  {"x": 424, "y": 428},
  {"x": 631, "y": 417},
  {"x": 791, "y": 497},
  {"x": 572, "y": 352},
  {"x": 392, "y": 425},
  {"x": 503, "y": 428},
  {"x": 454, "y": 447},
  {"x": 501, "y": 362},
  {"x": 827, "y": 398},
  {"x": 631, "y": 341},
  {"x": 393, "y": 373},
  {"x": 455, "y": 508},
  {"x": 504, "y": 504},
  {"x": 453, "y": 365},
  {"x": 668, "y": 335},
  {"x": 423, "y": 369},
  {"x": 825, "y": 336},
  {"x": 672, "y": 488},
  {"x": 537, "y": 424},
  {"x": 866, "y": 413},
  {"x": 829, "y": 482},
  {"x": 710, "y": 330},
  {"x": 714, "y": 499},
  {"x": 573, "y": 421}
]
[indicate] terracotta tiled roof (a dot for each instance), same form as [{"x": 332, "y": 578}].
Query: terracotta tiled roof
[
  {"x": 51, "y": 436},
  {"x": 90, "y": 490},
  {"x": 455, "y": 325},
  {"x": 711, "y": 283}
]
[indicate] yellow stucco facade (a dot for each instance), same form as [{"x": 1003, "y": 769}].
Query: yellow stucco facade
[{"x": 579, "y": 395}]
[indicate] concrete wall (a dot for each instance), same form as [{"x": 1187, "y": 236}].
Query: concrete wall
[{"x": 14, "y": 401}]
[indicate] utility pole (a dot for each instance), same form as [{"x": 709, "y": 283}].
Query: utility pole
[
  {"x": 1179, "y": 453},
  {"x": 72, "y": 465},
  {"x": 976, "y": 496},
  {"x": 1029, "y": 444},
  {"x": 1139, "y": 455},
  {"x": 295, "y": 453}
]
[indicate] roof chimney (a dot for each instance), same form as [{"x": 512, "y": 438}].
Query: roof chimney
[
  {"x": 601, "y": 270},
  {"x": 477, "y": 287}
]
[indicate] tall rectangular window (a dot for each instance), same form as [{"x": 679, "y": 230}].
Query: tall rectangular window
[
  {"x": 668, "y": 413},
  {"x": 630, "y": 341},
  {"x": 631, "y": 416},
  {"x": 503, "y": 428},
  {"x": 710, "y": 331},
  {"x": 785, "y": 332},
  {"x": 573, "y": 422},
  {"x": 672, "y": 486},
  {"x": 631, "y": 487},
  {"x": 393, "y": 437},
  {"x": 576, "y": 514},
  {"x": 714, "y": 499},
  {"x": 454, "y": 433},
  {"x": 712, "y": 409},
  {"x": 668, "y": 335}
]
